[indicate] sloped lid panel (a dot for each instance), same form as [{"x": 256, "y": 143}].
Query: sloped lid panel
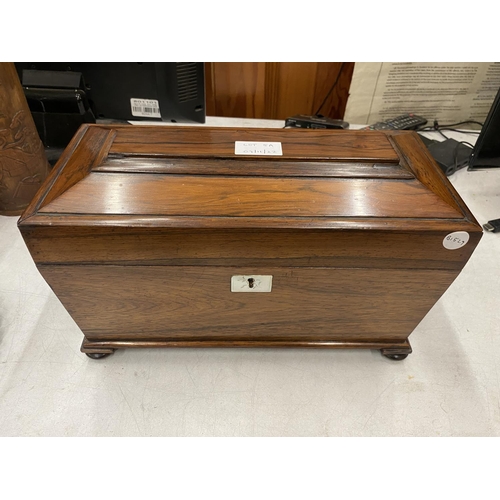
[
  {"x": 190, "y": 172},
  {"x": 197, "y": 195}
]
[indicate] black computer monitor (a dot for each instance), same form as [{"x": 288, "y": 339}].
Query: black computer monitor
[
  {"x": 62, "y": 96},
  {"x": 486, "y": 152}
]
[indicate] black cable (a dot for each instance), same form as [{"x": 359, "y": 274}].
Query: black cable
[
  {"x": 455, "y": 155},
  {"x": 436, "y": 127},
  {"x": 331, "y": 90},
  {"x": 439, "y": 130},
  {"x": 461, "y": 131},
  {"x": 432, "y": 129},
  {"x": 456, "y": 152},
  {"x": 460, "y": 123}
]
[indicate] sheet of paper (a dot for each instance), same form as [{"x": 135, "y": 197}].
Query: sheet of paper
[
  {"x": 447, "y": 92},
  {"x": 258, "y": 148}
]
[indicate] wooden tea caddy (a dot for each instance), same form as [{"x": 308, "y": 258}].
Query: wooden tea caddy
[{"x": 164, "y": 237}]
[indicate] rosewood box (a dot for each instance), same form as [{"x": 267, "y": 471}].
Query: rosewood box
[{"x": 198, "y": 236}]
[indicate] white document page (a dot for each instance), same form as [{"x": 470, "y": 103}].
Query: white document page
[{"x": 447, "y": 92}]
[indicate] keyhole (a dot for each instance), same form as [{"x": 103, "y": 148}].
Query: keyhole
[{"x": 250, "y": 282}]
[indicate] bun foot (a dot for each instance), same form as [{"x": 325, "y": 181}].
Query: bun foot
[
  {"x": 396, "y": 357},
  {"x": 95, "y": 350},
  {"x": 397, "y": 353},
  {"x": 98, "y": 355}
]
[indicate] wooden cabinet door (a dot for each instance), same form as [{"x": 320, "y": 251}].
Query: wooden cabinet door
[{"x": 277, "y": 90}]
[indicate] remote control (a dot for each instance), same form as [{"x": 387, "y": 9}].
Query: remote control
[
  {"x": 403, "y": 122},
  {"x": 318, "y": 121}
]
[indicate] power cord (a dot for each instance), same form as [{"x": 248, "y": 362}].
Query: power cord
[
  {"x": 437, "y": 128},
  {"x": 459, "y": 123},
  {"x": 456, "y": 151}
]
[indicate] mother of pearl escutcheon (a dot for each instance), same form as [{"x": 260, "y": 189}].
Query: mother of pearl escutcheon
[{"x": 253, "y": 283}]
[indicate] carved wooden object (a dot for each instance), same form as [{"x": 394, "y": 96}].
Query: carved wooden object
[
  {"x": 140, "y": 231},
  {"x": 23, "y": 164}
]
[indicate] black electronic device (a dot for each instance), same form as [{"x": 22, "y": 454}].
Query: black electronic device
[
  {"x": 407, "y": 121},
  {"x": 173, "y": 91},
  {"x": 486, "y": 152},
  {"x": 319, "y": 122},
  {"x": 450, "y": 155},
  {"x": 58, "y": 104},
  {"x": 62, "y": 96}
]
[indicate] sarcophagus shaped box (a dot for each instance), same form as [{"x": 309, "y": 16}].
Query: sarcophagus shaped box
[{"x": 198, "y": 236}]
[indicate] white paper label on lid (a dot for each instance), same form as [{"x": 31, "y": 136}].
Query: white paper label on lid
[
  {"x": 145, "y": 107},
  {"x": 258, "y": 148},
  {"x": 456, "y": 240}
]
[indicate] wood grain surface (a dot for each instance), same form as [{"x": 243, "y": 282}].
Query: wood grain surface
[
  {"x": 161, "y": 302},
  {"x": 388, "y": 224},
  {"x": 415, "y": 156},
  {"x": 108, "y": 346},
  {"x": 88, "y": 148},
  {"x": 236, "y": 89},
  {"x": 249, "y": 247},
  {"x": 88, "y": 153},
  {"x": 334, "y": 101},
  {"x": 218, "y": 142},
  {"x": 190, "y": 195},
  {"x": 245, "y": 167},
  {"x": 276, "y": 90}
]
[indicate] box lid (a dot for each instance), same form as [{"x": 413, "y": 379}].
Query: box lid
[{"x": 166, "y": 176}]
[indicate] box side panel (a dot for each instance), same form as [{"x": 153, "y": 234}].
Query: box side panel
[
  {"x": 88, "y": 148},
  {"x": 417, "y": 158}
]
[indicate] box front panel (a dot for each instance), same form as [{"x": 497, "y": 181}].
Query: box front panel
[{"x": 196, "y": 303}]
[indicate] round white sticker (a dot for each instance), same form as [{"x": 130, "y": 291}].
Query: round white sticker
[{"x": 456, "y": 240}]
